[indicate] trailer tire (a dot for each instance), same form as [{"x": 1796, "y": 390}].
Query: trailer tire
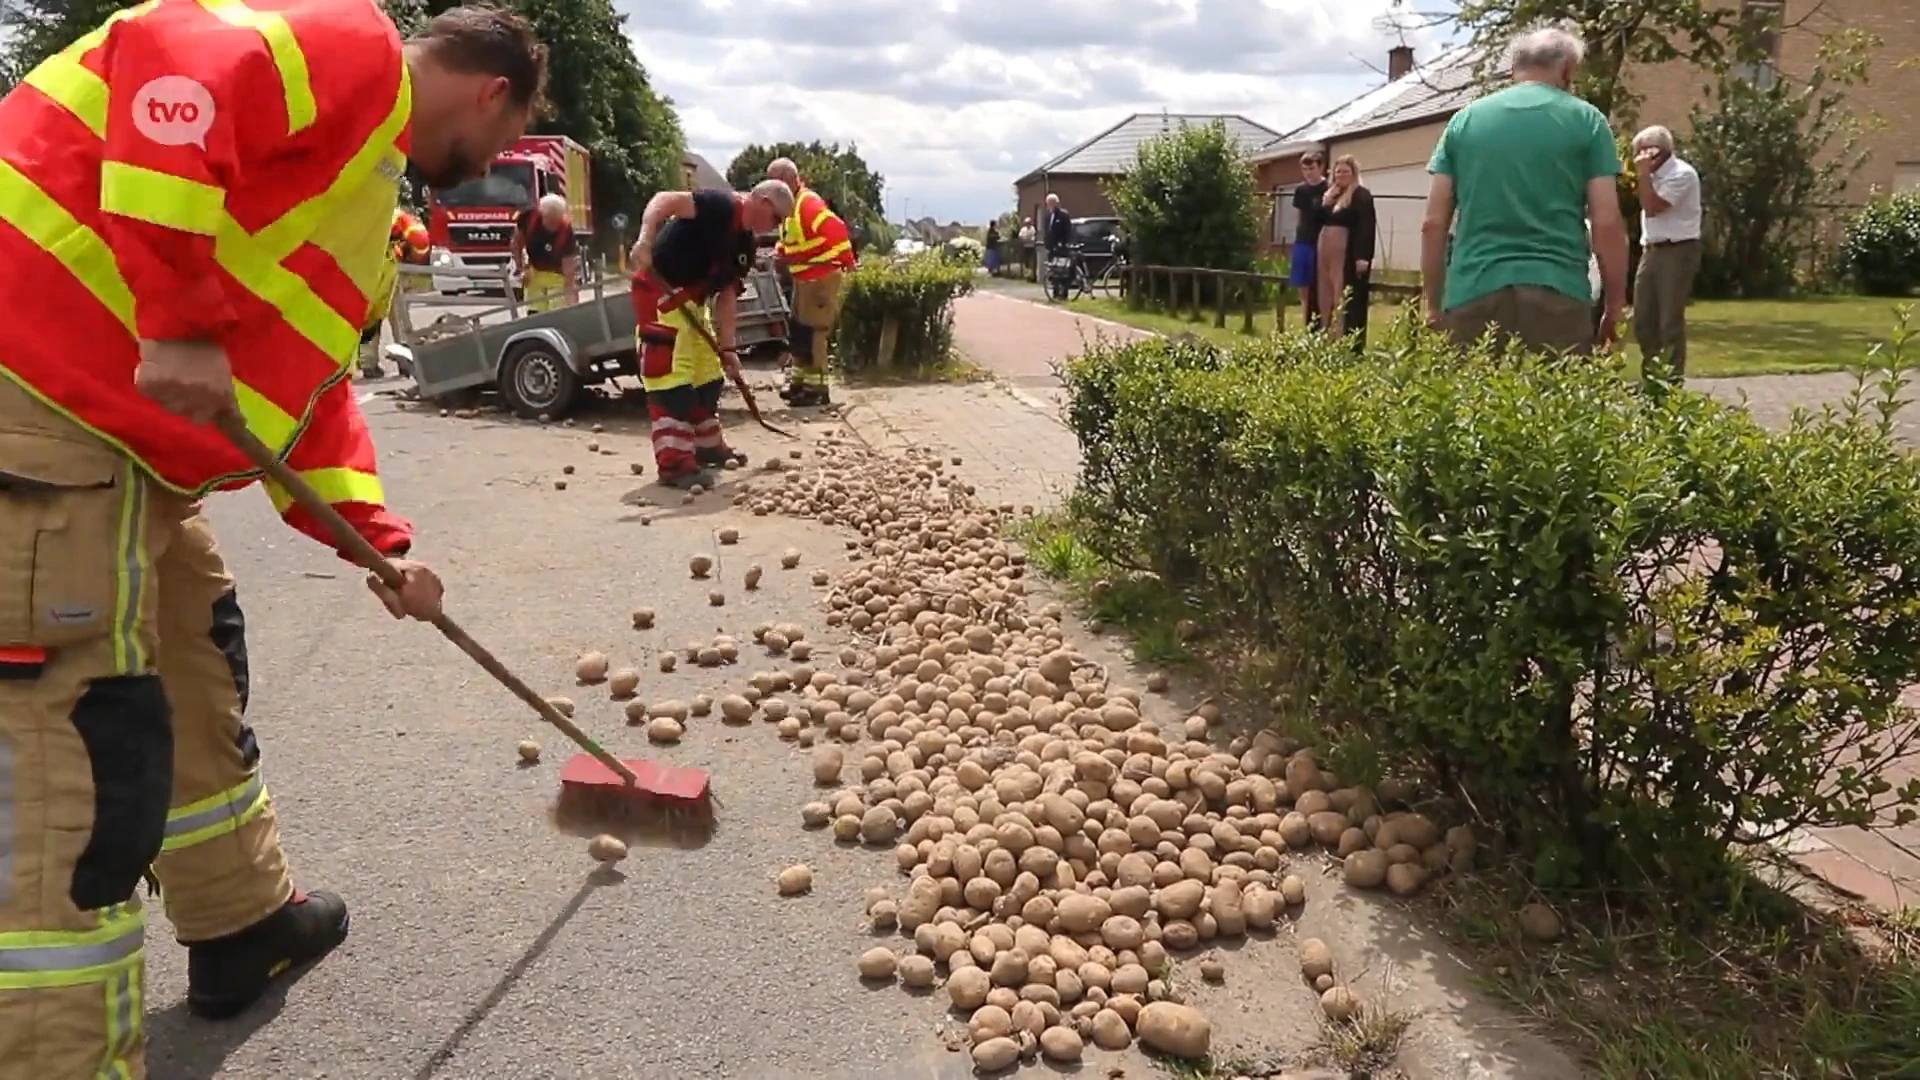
[{"x": 535, "y": 381}]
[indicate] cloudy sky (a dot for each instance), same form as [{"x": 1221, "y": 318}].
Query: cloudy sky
[{"x": 953, "y": 99}]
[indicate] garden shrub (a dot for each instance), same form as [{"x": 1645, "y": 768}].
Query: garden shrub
[
  {"x": 917, "y": 292},
  {"x": 1882, "y": 248},
  {"x": 1631, "y": 630}
]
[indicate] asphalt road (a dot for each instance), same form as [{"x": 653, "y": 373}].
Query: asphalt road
[{"x": 483, "y": 945}]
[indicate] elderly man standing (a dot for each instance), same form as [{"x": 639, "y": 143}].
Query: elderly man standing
[
  {"x": 1670, "y": 216},
  {"x": 1524, "y": 170},
  {"x": 817, "y": 252},
  {"x": 547, "y": 253}
]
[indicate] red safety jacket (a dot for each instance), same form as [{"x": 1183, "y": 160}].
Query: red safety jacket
[
  {"x": 813, "y": 239},
  {"x": 410, "y": 239},
  {"x": 215, "y": 170}
]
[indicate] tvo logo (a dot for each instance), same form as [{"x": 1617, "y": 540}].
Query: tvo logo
[{"x": 173, "y": 110}]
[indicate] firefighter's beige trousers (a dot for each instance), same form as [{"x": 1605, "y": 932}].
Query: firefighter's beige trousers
[
  {"x": 122, "y": 684},
  {"x": 816, "y": 307}
]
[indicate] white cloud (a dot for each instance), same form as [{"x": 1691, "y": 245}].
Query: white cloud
[{"x": 952, "y": 100}]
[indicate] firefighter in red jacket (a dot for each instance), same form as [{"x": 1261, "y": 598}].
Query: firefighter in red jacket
[
  {"x": 695, "y": 246},
  {"x": 193, "y": 195},
  {"x": 407, "y": 242},
  {"x": 817, "y": 251}
]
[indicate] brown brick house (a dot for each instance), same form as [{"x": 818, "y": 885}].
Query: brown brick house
[
  {"x": 1890, "y": 97},
  {"x": 1078, "y": 174},
  {"x": 1391, "y": 129}
]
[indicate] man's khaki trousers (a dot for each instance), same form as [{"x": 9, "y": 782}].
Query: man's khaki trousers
[
  {"x": 1660, "y": 290},
  {"x": 816, "y": 307},
  {"x": 123, "y": 680}
]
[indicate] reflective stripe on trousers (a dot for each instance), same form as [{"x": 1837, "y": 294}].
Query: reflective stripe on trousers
[
  {"x": 111, "y": 955},
  {"x": 221, "y": 814}
]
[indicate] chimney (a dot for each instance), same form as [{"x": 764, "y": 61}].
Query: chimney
[{"x": 1399, "y": 61}]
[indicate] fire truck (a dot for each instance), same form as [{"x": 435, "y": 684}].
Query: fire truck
[{"x": 472, "y": 223}]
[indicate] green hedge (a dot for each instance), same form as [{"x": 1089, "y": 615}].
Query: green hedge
[
  {"x": 917, "y": 292},
  {"x": 1631, "y": 630},
  {"x": 1882, "y": 246}
]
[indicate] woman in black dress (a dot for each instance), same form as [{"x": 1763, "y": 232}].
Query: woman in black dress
[{"x": 1346, "y": 252}]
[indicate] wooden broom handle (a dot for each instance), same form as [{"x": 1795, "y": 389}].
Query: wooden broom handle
[{"x": 364, "y": 553}]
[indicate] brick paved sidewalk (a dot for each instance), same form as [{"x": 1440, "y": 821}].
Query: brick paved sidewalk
[{"x": 1015, "y": 449}]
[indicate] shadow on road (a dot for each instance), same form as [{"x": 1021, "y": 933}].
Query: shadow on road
[
  {"x": 181, "y": 1046},
  {"x": 478, "y": 1014}
]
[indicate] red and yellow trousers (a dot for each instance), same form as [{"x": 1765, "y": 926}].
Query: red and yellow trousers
[
  {"x": 683, "y": 378},
  {"x": 123, "y": 744}
]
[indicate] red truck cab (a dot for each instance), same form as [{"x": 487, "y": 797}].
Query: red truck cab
[{"x": 472, "y": 223}]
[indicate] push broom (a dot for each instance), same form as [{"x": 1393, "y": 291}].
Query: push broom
[{"x": 598, "y": 792}]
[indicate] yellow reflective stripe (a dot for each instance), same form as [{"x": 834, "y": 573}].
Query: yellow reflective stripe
[
  {"x": 806, "y": 245},
  {"x": 158, "y": 198},
  {"x": 337, "y": 485},
  {"x": 131, "y": 568},
  {"x": 284, "y": 290},
  {"x": 285, "y": 235},
  {"x": 830, "y": 254},
  {"x": 274, "y": 425},
  {"x": 38, "y": 959},
  {"x": 68, "y": 82},
  {"x": 295, "y": 84},
  {"x": 123, "y": 1005},
  {"x": 823, "y": 215},
  {"x": 57, "y": 232},
  {"x": 216, "y": 815}
]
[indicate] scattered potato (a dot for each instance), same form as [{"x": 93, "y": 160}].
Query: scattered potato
[
  {"x": 623, "y": 683},
  {"x": 591, "y": 667},
  {"x": 1340, "y": 1004},
  {"x": 753, "y": 576},
  {"x": 700, "y": 565},
  {"x": 729, "y": 535},
  {"x": 529, "y": 751},
  {"x": 795, "y": 880},
  {"x": 563, "y": 705},
  {"x": 668, "y": 661},
  {"x": 789, "y": 558},
  {"x": 1540, "y": 922},
  {"x": 665, "y": 729},
  {"x": 878, "y": 963},
  {"x": 607, "y": 849}
]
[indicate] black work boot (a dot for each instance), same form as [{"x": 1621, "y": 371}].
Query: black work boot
[
  {"x": 227, "y": 974},
  {"x": 806, "y": 395}
]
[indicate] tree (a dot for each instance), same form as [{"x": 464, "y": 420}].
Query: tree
[
  {"x": 597, "y": 92},
  {"x": 1190, "y": 200},
  {"x": 1709, "y": 34},
  {"x": 36, "y": 29},
  {"x": 1771, "y": 159},
  {"x": 841, "y": 176}
]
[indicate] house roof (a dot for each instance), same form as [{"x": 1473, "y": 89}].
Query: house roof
[
  {"x": 1114, "y": 150},
  {"x": 701, "y": 173},
  {"x": 1437, "y": 88}
]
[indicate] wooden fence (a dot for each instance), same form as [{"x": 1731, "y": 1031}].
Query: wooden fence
[{"x": 1194, "y": 291}]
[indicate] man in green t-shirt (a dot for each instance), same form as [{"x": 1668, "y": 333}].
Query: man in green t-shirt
[{"x": 1525, "y": 170}]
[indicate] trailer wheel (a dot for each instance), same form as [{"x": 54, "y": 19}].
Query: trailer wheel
[{"x": 536, "y": 381}]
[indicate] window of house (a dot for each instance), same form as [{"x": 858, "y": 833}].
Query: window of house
[
  {"x": 1285, "y": 217},
  {"x": 1767, "y": 16}
]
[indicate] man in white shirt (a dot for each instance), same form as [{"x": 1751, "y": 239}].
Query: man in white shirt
[{"x": 1669, "y": 252}]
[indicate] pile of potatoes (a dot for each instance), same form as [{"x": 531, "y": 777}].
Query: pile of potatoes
[{"x": 1060, "y": 849}]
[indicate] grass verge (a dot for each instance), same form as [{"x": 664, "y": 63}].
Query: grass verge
[
  {"x": 1769, "y": 984},
  {"x": 1725, "y": 338}
]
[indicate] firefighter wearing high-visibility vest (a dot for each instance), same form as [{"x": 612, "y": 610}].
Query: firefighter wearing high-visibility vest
[
  {"x": 817, "y": 252},
  {"x": 407, "y": 242},
  {"x": 193, "y": 199},
  {"x": 694, "y": 246}
]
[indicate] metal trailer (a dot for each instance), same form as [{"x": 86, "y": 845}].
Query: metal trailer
[{"x": 541, "y": 362}]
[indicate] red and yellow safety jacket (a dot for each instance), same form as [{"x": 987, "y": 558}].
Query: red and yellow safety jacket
[
  {"x": 211, "y": 170},
  {"x": 410, "y": 240},
  {"x": 813, "y": 239}
]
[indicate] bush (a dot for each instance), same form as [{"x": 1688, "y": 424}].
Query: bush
[
  {"x": 1631, "y": 630},
  {"x": 917, "y": 293},
  {"x": 1882, "y": 249},
  {"x": 1190, "y": 200}
]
